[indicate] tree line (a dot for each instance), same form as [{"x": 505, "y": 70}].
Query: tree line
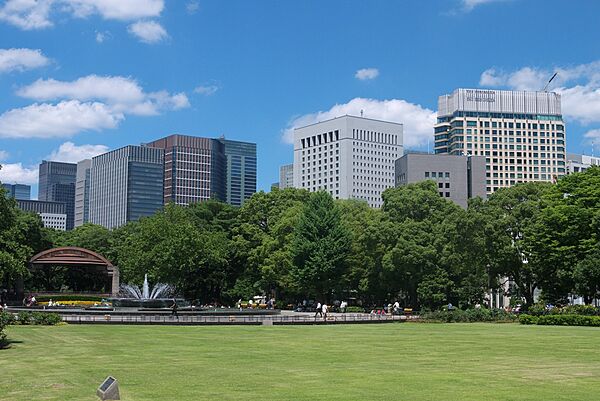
[{"x": 419, "y": 248}]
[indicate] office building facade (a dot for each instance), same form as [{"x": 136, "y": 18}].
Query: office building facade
[
  {"x": 349, "y": 157},
  {"x": 17, "y": 191},
  {"x": 125, "y": 185},
  {"x": 240, "y": 171},
  {"x": 82, "y": 192},
  {"x": 57, "y": 184},
  {"x": 458, "y": 178},
  {"x": 286, "y": 176},
  {"x": 521, "y": 134},
  {"x": 194, "y": 169},
  {"x": 53, "y": 214},
  {"x": 577, "y": 163}
]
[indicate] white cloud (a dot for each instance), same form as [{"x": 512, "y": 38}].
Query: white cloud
[
  {"x": 53, "y": 121},
  {"x": 418, "y": 121},
  {"x": 3, "y": 155},
  {"x": 593, "y": 136},
  {"x": 124, "y": 10},
  {"x": 469, "y": 5},
  {"x": 21, "y": 59},
  {"x": 36, "y": 14},
  {"x": 579, "y": 87},
  {"x": 68, "y": 152},
  {"x": 192, "y": 7},
  {"x": 206, "y": 90},
  {"x": 16, "y": 173},
  {"x": 148, "y": 31},
  {"x": 121, "y": 94},
  {"x": 100, "y": 37},
  {"x": 366, "y": 73}
]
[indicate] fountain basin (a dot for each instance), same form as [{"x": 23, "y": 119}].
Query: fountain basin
[{"x": 160, "y": 303}]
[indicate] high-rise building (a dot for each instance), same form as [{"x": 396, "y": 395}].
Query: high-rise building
[
  {"x": 577, "y": 163},
  {"x": 125, "y": 185},
  {"x": 521, "y": 134},
  {"x": 240, "y": 176},
  {"x": 198, "y": 169},
  {"x": 458, "y": 178},
  {"x": 286, "y": 176},
  {"x": 194, "y": 169},
  {"x": 53, "y": 214},
  {"x": 57, "y": 184},
  {"x": 82, "y": 192},
  {"x": 18, "y": 191},
  {"x": 349, "y": 157}
]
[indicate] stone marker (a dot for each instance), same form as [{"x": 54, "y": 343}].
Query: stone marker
[{"x": 109, "y": 389}]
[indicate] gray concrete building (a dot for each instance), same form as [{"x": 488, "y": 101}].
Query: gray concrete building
[
  {"x": 286, "y": 176},
  {"x": 125, "y": 185},
  {"x": 82, "y": 192},
  {"x": 458, "y": 178},
  {"x": 53, "y": 214}
]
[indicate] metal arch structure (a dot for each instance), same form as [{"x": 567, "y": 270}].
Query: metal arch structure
[{"x": 74, "y": 256}]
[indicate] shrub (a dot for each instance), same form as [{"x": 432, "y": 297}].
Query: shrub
[
  {"x": 528, "y": 319},
  {"x": 5, "y": 320},
  {"x": 41, "y": 318},
  {"x": 355, "y": 309},
  {"x": 584, "y": 310},
  {"x": 469, "y": 316},
  {"x": 569, "y": 320}
]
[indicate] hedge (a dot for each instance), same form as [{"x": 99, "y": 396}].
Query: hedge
[
  {"x": 37, "y": 318},
  {"x": 69, "y": 297},
  {"x": 584, "y": 310},
  {"x": 468, "y": 316},
  {"x": 5, "y": 320},
  {"x": 561, "y": 320}
]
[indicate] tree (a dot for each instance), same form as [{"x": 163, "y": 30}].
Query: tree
[
  {"x": 587, "y": 276},
  {"x": 321, "y": 246}
]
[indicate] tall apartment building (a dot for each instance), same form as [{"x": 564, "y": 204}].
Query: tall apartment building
[
  {"x": 286, "y": 176},
  {"x": 194, "y": 169},
  {"x": 82, "y": 192},
  {"x": 521, "y": 134},
  {"x": 577, "y": 163},
  {"x": 240, "y": 171},
  {"x": 458, "y": 178},
  {"x": 17, "y": 191},
  {"x": 349, "y": 157},
  {"x": 53, "y": 214},
  {"x": 198, "y": 169},
  {"x": 57, "y": 184},
  {"x": 125, "y": 185}
]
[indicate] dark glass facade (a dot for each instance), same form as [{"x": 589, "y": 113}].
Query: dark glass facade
[
  {"x": 240, "y": 171},
  {"x": 17, "y": 191},
  {"x": 57, "y": 184}
]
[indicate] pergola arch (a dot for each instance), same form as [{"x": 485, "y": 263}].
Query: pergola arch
[{"x": 75, "y": 256}]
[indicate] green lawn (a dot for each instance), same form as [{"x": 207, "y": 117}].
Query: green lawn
[{"x": 352, "y": 362}]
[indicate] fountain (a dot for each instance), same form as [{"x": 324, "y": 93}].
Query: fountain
[{"x": 131, "y": 295}]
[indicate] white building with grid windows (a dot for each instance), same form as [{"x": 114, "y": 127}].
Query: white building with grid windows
[
  {"x": 349, "y": 157},
  {"x": 520, "y": 133}
]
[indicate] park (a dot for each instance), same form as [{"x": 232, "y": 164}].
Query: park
[{"x": 415, "y": 361}]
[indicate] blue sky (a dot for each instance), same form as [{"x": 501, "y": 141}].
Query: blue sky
[{"x": 78, "y": 77}]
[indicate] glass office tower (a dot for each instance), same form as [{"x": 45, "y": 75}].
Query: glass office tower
[
  {"x": 240, "y": 171},
  {"x": 57, "y": 184}
]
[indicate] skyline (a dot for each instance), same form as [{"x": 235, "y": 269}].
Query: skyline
[{"x": 84, "y": 77}]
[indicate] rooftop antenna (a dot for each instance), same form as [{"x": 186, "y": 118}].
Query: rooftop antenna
[
  {"x": 550, "y": 80},
  {"x": 361, "y": 112}
]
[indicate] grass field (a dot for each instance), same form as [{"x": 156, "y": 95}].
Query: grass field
[{"x": 352, "y": 362}]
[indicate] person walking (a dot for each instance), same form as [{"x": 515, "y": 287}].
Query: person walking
[
  {"x": 174, "y": 308},
  {"x": 325, "y": 308},
  {"x": 319, "y": 310}
]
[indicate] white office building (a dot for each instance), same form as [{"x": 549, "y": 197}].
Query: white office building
[
  {"x": 57, "y": 221},
  {"x": 521, "y": 134},
  {"x": 578, "y": 163},
  {"x": 286, "y": 176},
  {"x": 349, "y": 157}
]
